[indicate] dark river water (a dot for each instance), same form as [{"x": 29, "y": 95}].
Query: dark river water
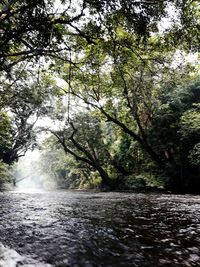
[{"x": 79, "y": 229}]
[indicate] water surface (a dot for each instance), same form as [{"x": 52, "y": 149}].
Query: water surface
[{"x": 77, "y": 229}]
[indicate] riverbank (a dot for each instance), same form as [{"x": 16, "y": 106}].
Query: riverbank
[{"x": 145, "y": 190}]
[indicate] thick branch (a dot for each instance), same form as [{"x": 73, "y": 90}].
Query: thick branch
[
  {"x": 143, "y": 142},
  {"x": 34, "y": 52},
  {"x": 67, "y": 150},
  {"x": 79, "y": 147}
]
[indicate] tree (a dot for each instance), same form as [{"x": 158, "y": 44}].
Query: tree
[
  {"x": 82, "y": 138},
  {"x": 116, "y": 60},
  {"x": 62, "y": 168},
  {"x": 20, "y": 110},
  {"x": 175, "y": 134},
  {"x": 123, "y": 81},
  {"x": 4, "y": 174},
  {"x": 5, "y": 138},
  {"x": 32, "y": 29},
  {"x": 126, "y": 94}
]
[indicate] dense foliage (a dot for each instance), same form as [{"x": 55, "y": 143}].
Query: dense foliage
[{"x": 115, "y": 80}]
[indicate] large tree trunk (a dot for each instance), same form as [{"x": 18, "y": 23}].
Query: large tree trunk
[
  {"x": 106, "y": 182},
  {"x": 88, "y": 159}
]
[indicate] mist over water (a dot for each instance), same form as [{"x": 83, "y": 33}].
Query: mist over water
[{"x": 27, "y": 175}]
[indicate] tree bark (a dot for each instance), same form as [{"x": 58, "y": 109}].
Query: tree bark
[{"x": 88, "y": 159}]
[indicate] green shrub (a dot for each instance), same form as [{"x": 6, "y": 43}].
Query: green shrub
[
  {"x": 146, "y": 180},
  {"x": 4, "y": 173}
]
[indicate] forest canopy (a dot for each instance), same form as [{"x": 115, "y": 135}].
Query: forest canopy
[{"x": 118, "y": 82}]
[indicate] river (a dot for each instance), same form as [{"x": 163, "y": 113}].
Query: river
[{"x": 78, "y": 229}]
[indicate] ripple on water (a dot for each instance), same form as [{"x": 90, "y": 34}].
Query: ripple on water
[{"x": 101, "y": 229}]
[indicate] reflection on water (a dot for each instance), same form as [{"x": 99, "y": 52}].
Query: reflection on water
[
  {"x": 102, "y": 229},
  {"x": 10, "y": 258}
]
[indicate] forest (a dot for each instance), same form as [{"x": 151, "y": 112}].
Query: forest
[{"x": 107, "y": 90}]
